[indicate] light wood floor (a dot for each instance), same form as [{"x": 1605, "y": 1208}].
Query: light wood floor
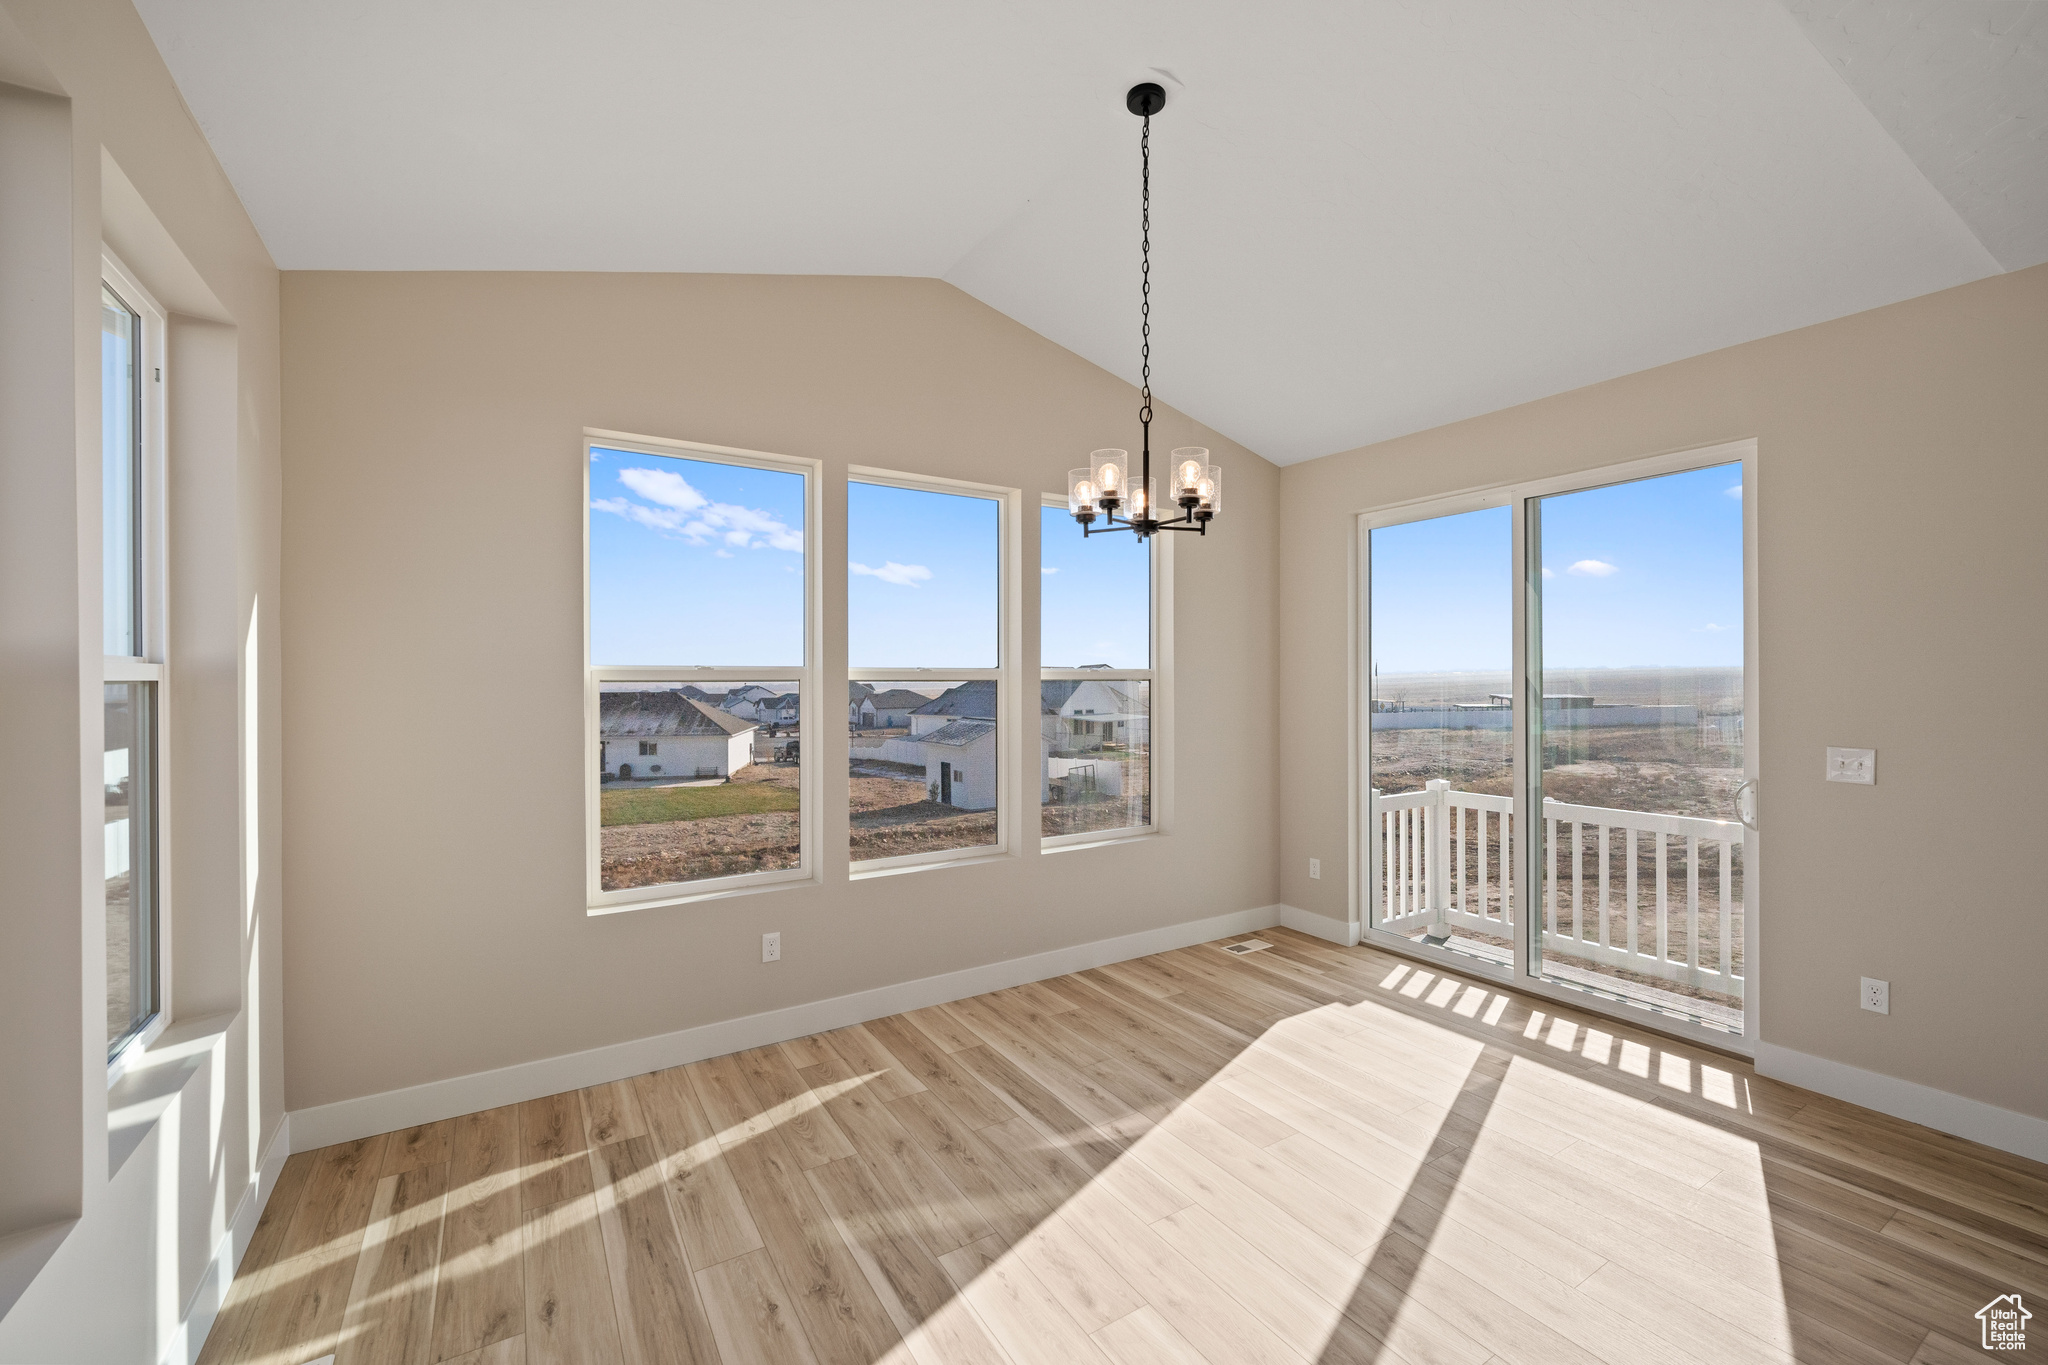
[{"x": 1304, "y": 1154}]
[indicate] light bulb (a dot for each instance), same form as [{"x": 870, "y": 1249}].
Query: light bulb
[
  {"x": 1190, "y": 474},
  {"x": 1107, "y": 474},
  {"x": 1138, "y": 502},
  {"x": 1206, "y": 491},
  {"x": 1084, "y": 492}
]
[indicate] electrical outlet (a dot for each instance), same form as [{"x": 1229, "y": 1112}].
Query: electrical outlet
[
  {"x": 771, "y": 947},
  {"x": 1877, "y": 996},
  {"x": 1853, "y": 765},
  {"x": 1315, "y": 869}
]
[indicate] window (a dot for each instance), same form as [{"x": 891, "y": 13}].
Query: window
[
  {"x": 925, "y": 628},
  {"x": 1095, "y": 680},
  {"x": 131, "y": 541},
  {"x": 701, "y": 606}
]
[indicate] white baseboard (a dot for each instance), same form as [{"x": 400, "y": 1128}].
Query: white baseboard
[
  {"x": 1322, "y": 926},
  {"x": 346, "y": 1120},
  {"x": 2006, "y": 1129},
  {"x": 190, "y": 1338}
]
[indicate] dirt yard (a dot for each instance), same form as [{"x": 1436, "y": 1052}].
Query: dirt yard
[
  {"x": 893, "y": 814},
  {"x": 654, "y": 853},
  {"x": 1647, "y": 768},
  {"x": 1088, "y": 814}
]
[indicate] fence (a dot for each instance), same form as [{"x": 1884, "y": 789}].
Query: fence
[{"x": 1444, "y": 859}]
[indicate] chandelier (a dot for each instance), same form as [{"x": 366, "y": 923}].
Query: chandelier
[{"x": 1104, "y": 487}]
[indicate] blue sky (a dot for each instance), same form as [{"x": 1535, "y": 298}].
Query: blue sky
[
  {"x": 923, "y": 578},
  {"x": 1643, "y": 574},
  {"x": 1094, "y": 596},
  {"x": 694, "y": 562}
]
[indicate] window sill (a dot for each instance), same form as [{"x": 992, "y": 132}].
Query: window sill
[
  {"x": 969, "y": 858},
  {"x": 1071, "y": 843},
  {"x": 153, "y": 1080},
  {"x": 718, "y": 893}
]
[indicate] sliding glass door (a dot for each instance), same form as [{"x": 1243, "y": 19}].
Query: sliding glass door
[
  {"x": 1640, "y": 743},
  {"x": 1440, "y": 788},
  {"x": 1560, "y": 714}
]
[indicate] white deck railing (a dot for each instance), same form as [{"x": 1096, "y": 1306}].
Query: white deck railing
[{"x": 1445, "y": 861}]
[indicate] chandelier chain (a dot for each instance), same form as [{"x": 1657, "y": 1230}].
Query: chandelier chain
[{"x": 1145, "y": 276}]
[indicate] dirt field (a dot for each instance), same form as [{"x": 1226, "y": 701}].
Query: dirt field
[
  {"x": 893, "y": 814},
  {"x": 657, "y": 852},
  {"x": 1647, "y": 768},
  {"x": 1086, "y": 816}
]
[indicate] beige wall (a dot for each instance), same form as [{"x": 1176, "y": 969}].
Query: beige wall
[
  {"x": 433, "y": 532},
  {"x": 99, "y": 1263},
  {"x": 1903, "y": 571}
]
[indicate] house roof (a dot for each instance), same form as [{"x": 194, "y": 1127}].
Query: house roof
[
  {"x": 857, "y": 690},
  {"x": 899, "y": 699},
  {"x": 974, "y": 700},
  {"x": 650, "y": 715},
  {"x": 1124, "y": 690},
  {"x": 1053, "y": 695},
  {"x": 959, "y": 734},
  {"x": 782, "y": 703}
]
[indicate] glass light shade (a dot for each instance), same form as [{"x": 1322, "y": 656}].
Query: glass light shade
[
  {"x": 1082, "y": 491},
  {"x": 1142, "y": 500},
  {"x": 1112, "y": 472},
  {"x": 1210, "y": 490},
  {"x": 1188, "y": 464}
]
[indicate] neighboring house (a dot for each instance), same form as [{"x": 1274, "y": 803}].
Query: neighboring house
[
  {"x": 892, "y": 708},
  {"x": 748, "y": 702},
  {"x": 1087, "y": 714},
  {"x": 666, "y": 734},
  {"x": 740, "y": 697},
  {"x": 968, "y": 701},
  {"x": 860, "y": 706},
  {"x": 960, "y": 764},
  {"x": 780, "y": 710}
]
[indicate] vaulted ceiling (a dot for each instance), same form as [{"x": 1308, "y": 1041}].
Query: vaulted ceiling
[{"x": 1371, "y": 217}]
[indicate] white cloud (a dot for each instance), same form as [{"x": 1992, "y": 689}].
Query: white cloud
[
  {"x": 723, "y": 554},
  {"x": 1735, "y": 492},
  {"x": 1710, "y": 626},
  {"x": 664, "y": 486},
  {"x": 1593, "y": 568},
  {"x": 1045, "y": 570},
  {"x": 1550, "y": 573},
  {"x": 683, "y": 511},
  {"x": 902, "y": 575}
]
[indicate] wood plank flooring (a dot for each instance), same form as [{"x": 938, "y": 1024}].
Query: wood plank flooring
[{"x": 1307, "y": 1154}]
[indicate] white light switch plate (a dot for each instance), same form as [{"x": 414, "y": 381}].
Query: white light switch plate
[{"x": 1852, "y": 765}]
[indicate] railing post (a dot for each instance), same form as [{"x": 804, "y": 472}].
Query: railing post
[
  {"x": 1436, "y": 845},
  {"x": 1376, "y": 866}
]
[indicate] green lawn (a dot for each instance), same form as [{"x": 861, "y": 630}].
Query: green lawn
[{"x": 652, "y": 805}]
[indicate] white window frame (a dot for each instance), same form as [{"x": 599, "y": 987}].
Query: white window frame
[
  {"x": 1006, "y": 674},
  {"x": 807, "y": 677},
  {"x": 1159, "y": 570},
  {"x": 1519, "y": 497},
  {"x": 149, "y": 663}
]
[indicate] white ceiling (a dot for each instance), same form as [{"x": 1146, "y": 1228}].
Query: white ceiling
[{"x": 1371, "y": 218}]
